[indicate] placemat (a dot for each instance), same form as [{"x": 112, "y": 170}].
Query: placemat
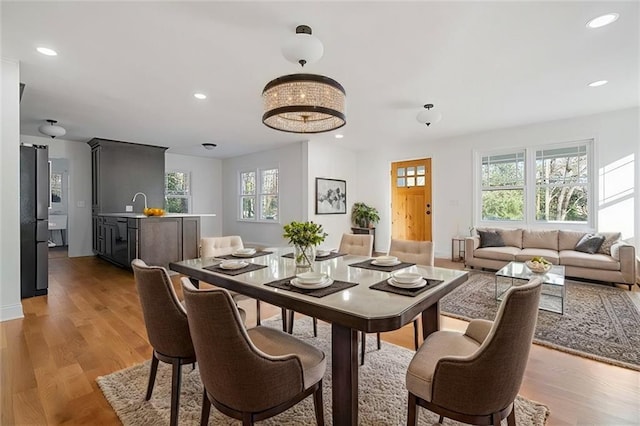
[
  {"x": 412, "y": 292},
  {"x": 368, "y": 265},
  {"x": 333, "y": 255},
  {"x": 256, "y": 254},
  {"x": 249, "y": 268},
  {"x": 284, "y": 284}
]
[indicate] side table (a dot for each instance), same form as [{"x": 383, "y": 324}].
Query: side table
[{"x": 457, "y": 248}]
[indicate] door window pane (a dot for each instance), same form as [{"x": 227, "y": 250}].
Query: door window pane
[
  {"x": 411, "y": 171},
  {"x": 411, "y": 181},
  {"x": 420, "y": 181},
  {"x": 400, "y": 182},
  {"x": 421, "y": 170},
  {"x": 400, "y": 171}
]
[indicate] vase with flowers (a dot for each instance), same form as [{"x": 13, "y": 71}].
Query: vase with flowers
[{"x": 304, "y": 236}]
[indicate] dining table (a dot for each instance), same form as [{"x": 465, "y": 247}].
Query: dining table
[{"x": 349, "y": 311}]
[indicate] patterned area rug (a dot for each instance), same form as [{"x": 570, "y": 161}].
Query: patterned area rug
[
  {"x": 599, "y": 322},
  {"x": 383, "y": 396}
]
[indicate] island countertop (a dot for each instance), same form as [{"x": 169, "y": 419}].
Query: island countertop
[{"x": 142, "y": 216}]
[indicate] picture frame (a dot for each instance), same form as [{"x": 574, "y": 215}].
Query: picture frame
[{"x": 331, "y": 196}]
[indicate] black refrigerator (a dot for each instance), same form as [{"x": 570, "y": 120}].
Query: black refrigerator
[{"x": 34, "y": 220}]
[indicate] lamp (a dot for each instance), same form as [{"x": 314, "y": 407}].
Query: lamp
[
  {"x": 209, "y": 145},
  {"x": 427, "y": 116},
  {"x": 52, "y": 129},
  {"x": 304, "y": 103}
]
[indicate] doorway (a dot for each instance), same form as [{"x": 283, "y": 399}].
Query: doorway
[
  {"x": 58, "y": 211},
  {"x": 411, "y": 205}
]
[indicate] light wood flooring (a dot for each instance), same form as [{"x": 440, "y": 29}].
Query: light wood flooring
[{"x": 91, "y": 324}]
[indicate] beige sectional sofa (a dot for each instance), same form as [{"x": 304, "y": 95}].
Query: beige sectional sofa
[{"x": 615, "y": 261}]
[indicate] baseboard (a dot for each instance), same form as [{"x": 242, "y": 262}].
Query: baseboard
[{"x": 10, "y": 312}]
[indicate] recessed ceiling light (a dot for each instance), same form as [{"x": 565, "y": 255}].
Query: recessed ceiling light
[
  {"x": 339, "y": 136},
  {"x": 603, "y": 20},
  {"x": 200, "y": 96},
  {"x": 47, "y": 51},
  {"x": 598, "y": 83}
]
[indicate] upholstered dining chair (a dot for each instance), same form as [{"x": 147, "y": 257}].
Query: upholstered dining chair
[
  {"x": 475, "y": 377},
  {"x": 356, "y": 244},
  {"x": 221, "y": 246},
  {"x": 252, "y": 374},
  {"x": 166, "y": 321},
  {"x": 418, "y": 252}
]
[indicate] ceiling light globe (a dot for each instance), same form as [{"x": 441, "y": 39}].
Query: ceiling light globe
[
  {"x": 428, "y": 116},
  {"x": 51, "y": 129},
  {"x": 302, "y": 47}
]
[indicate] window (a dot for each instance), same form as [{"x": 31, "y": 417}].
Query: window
[
  {"x": 177, "y": 192},
  {"x": 259, "y": 195},
  {"x": 538, "y": 185}
]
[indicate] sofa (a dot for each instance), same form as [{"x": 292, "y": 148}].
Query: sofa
[{"x": 615, "y": 260}]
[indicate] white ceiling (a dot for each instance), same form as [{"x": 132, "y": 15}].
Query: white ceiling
[{"x": 128, "y": 70}]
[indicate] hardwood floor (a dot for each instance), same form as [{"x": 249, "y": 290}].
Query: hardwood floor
[{"x": 91, "y": 324}]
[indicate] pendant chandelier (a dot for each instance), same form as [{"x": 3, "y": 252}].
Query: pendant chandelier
[{"x": 304, "y": 103}]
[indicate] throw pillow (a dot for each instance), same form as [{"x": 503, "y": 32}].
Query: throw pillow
[
  {"x": 610, "y": 238},
  {"x": 589, "y": 243},
  {"x": 490, "y": 239},
  {"x": 615, "y": 249}
]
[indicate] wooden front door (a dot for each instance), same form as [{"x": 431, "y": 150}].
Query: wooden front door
[{"x": 411, "y": 200}]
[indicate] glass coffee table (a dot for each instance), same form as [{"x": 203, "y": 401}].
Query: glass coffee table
[{"x": 553, "y": 289}]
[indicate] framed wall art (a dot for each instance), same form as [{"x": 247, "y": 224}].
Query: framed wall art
[{"x": 331, "y": 196}]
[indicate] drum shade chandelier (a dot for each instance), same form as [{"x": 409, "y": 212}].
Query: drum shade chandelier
[{"x": 304, "y": 103}]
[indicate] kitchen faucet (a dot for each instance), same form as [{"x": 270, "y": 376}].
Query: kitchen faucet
[{"x": 145, "y": 198}]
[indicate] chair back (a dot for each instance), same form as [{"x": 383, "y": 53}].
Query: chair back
[
  {"x": 489, "y": 380},
  {"x": 356, "y": 244},
  {"x": 233, "y": 370},
  {"x": 418, "y": 252},
  {"x": 220, "y": 246},
  {"x": 164, "y": 316}
]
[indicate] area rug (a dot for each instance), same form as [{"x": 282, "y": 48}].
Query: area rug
[
  {"x": 382, "y": 395},
  {"x": 600, "y": 322}
]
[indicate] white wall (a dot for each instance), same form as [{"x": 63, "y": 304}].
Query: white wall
[
  {"x": 206, "y": 188},
  {"x": 10, "y": 306},
  {"x": 78, "y": 155},
  {"x": 616, "y": 137},
  {"x": 292, "y": 163},
  {"x": 328, "y": 160}
]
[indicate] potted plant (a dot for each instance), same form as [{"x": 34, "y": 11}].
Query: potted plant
[
  {"x": 364, "y": 216},
  {"x": 304, "y": 236}
]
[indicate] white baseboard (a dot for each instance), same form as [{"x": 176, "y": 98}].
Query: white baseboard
[{"x": 10, "y": 312}]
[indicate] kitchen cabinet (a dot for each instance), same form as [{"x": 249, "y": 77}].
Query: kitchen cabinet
[
  {"x": 120, "y": 169},
  {"x": 156, "y": 240}
]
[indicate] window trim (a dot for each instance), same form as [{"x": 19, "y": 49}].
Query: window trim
[
  {"x": 257, "y": 195},
  {"x": 529, "y": 217},
  {"x": 188, "y": 197}
]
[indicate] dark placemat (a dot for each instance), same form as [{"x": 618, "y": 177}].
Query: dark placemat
[
  {"x": 412, "y": 292},
  {"x": 368, "y": 265},
  {"x": 256, "y": 254},
  {"x": 284, "y": 284},
  {"x": 333, "y": 255},
  {"x": 250, "y": 268}
]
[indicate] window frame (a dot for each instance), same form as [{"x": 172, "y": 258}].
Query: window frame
[
  {"x": 258, "y": 194},
  {"x": 530, "y": 187},
  {"x": 188, "y": 196}
]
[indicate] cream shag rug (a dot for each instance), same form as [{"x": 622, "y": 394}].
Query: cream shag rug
[{"x": 382, "y": 397}]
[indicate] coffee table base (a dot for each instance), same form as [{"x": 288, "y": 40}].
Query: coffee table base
[{"x": 552, "y": 297}]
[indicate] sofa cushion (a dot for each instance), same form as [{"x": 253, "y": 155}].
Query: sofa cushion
[
  {"x": 610, "y": 238},
  {"x": 567, "y": 240},
  {"x": 497, "y": 253},
  {"x": 589, "y": 243},
  {"x": 529, "y": 253},
  {"x": 490, "y": 239},
  {"x": 585, "y": 260},
  {"x": 544, "y": 239},
  {"x": 511, "y": 237}
]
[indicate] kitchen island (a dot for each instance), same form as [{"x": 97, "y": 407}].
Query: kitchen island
[{"x": 158, "y": 240}]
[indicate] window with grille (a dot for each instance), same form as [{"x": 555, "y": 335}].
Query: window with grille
[
  {"x": 258, "y": 195},
  {"x": 177, "y": 192}
]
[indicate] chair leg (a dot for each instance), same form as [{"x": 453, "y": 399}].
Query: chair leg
[
  {"x": 206, "y": 409},
  {"x": 152, "y": 376},
  {"x": 315, "y": 327},
  {"x": 440, "y": 419},
  {"x": 412, "y": 410},
  {"x": 258, "y": 312},
  {"x": 495, "y": 419},
  {"x": 318, "y": 405},
  {"x": 511, "y": 418},
  {"x": 363, "y": 346},
  {"x": 416, "y": 327},
  {"x": 175, "y": 390},
  {"x": 379, "y": 341},
  {"x": 247, "y": 419}
]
